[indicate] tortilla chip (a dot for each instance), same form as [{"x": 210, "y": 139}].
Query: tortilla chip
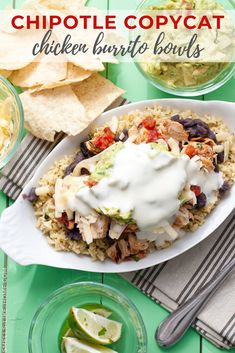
[
  {"x": 86, "y": 61},
  {"x": 51, "y": 111},
  {"x": 74, "y": 74},
  {"x": 5, "y": 73},
  {"x": 5, "y": 20},
  {"x": 43, "y": 72},
  {"x": 96, "y": 94},
  {"x": 69, "y": 109},
  {"x": 16, "y": 48}
]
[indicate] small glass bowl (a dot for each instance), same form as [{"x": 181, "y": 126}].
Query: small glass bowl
[
  {"x": 49, "y": 318},
  {"x": 193, "y": 91},
  {"x": 7, "y": 91}
]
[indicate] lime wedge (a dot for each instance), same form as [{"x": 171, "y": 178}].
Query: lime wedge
[
  {"x": 97, "y": 309},
  {"x": 92, "y": 327},
  {"x": 68, "y": 333},
  {"x": 65, "y": 331},
  {"x": 73, "y": 345}
]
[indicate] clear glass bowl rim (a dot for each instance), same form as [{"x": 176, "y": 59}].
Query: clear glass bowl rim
[
  {"x": 97, "y": 285},
  {"x": 13, "y": 91}
]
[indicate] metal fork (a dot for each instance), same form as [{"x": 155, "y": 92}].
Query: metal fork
[{"x": 176, "y": 324}]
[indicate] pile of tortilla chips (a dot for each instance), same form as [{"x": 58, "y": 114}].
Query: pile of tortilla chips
[{"x": 66, "y": 95}]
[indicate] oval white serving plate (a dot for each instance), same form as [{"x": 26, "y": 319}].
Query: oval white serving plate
[{"x": 24, "y": 243}]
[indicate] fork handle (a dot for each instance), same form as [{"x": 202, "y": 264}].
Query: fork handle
[{"x": 176, "y": 324}]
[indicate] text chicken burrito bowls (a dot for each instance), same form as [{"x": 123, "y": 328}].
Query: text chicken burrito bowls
[{"x": 143, "y": 180}]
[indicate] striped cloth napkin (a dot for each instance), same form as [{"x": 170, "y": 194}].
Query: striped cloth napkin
[
  {"x": 174, "y": 282},
  {"x": 169, "y": 284}
]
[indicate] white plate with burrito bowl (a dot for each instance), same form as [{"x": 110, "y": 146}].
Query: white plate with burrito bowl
[{"x": 25, "y": 244}]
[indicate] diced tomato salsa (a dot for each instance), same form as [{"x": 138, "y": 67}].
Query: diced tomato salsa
[
  {"x": 91, "y": 183},
  {"x": 104, "y": 139},
  {"x": 149, "y": 123},
  {"x": 153, "y": 135},
  {"x": 196, "y": 189},
  {"x": 190, "y": 151},
  {"x": 69, "y": 224}
]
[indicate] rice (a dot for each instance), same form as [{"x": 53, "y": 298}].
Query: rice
[{"x": 44, "y": 206}]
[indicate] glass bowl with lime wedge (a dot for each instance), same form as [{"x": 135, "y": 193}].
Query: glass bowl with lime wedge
[{"x": 87, "y": 317}]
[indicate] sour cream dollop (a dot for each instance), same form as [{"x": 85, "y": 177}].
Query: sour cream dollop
[{"x": 147, "y": 183}]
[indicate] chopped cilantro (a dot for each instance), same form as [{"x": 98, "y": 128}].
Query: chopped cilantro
[
  {"x": 136, "y": 258},
  {"x": 199, "y": 145},
  {"x": 102, "y": 332}
]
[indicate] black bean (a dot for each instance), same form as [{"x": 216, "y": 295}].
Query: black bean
[
  {"x": 196, "y": 128},
  {"x": 200, "y": 122},
  {"x": 69, "y": 170},
  {"x": 202, "y": 131},
  {"x": 85, "y": 171},
  {"x": 216, "y": 167},
  {"x": 201, "y": 201},
  {"x": 116, "y": 138},
  {"x": 212, "y": 135},
  {"x": 73, "y": 234},
  {"x": 192, "y": 132},
  {"x": 176, "y": 118},
  {"x": 126, "y": 135},
  {"x": 86, "y": 152},
  {"x": 220, "y": 157},
  {"x": 31, "y": 196},
  {"x": 78, "y": 158},
  {"x": 124, "y": 138},
  {"x": 188, "y": 123},
  {"x": 224, "y": 188}
]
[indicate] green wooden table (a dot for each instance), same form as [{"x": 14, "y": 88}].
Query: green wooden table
[{"x": 23, "y": 289}]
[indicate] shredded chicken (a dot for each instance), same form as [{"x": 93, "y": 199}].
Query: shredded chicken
[
  {"x": 44, "y": 190},
  {"x": 133, "y": 133},
  {"x": 113, "y": 253},
  {"x": 183, "y": 217},
  {"x": 116, "y": 230},
  {"x": 205, "y": 140},
  {"x": 173, "y": 129},
  {"x": 95, "y": 229},
  {"x": 207, "y": 164},
  {"x": 131, "y": 228},
  {"x": 124, "y": 248},
  {"x": 136, "y": 245},
  {"x": 203, "y": 149},
  {"x": 99, "y": 229}
]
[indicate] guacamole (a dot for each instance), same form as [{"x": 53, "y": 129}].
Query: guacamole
[
  {"x": 184, "y": 74},
  {"x": 188, "y": 5},
  {"x": 104, "y": 165}
]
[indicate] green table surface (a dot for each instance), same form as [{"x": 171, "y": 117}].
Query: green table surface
[{"x": 23, "y": 289}]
